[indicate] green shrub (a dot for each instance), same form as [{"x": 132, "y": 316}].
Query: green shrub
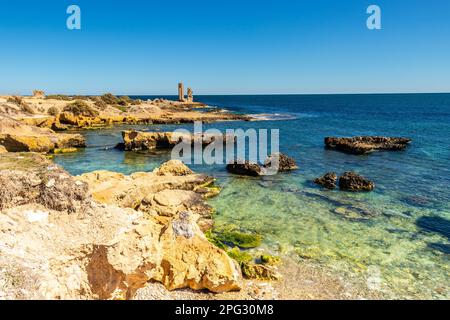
[
  {"x": 58, "y": 97},
  {"x": 81, "y": 108},
  {"x": 53, "y": 111},
  {"x": 99, "y": 103},
  {"x": 86, "y": 98},
  {"x": 109, "y": 98},
  {"x": 124, "y": 101}
]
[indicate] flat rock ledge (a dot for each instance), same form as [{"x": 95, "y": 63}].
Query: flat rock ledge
[
  {"x": 18, "y": 137},
  {"x": 139, "y": 141},
  {"x": 103, "y": 235},
  {"x": 366, "y": 144}
]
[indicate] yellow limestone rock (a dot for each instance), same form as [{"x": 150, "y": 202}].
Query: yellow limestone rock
[
  {"x": 173, "y": 167},
  {"x": 190, "y": 260},
  {"x": 57, "y": 243}
]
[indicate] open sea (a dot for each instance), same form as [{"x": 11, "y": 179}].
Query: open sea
[{"x": 396, "y": 237}]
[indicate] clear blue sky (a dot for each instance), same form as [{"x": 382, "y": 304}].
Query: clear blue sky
[{"x": 224, "y": 47}]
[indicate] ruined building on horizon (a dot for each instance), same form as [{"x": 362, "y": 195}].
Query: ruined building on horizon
[{"x": 181, "y": 96}]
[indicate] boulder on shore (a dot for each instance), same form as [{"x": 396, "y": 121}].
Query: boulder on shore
[
  {"x": 328, "y": 180},
  {"x": 351, "y": 181},
  {"x": 366, "y": 144}
]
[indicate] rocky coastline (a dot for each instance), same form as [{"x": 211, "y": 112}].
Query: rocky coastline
[{"x": 106, "y": 235}]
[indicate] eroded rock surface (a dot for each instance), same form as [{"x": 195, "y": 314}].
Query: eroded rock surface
[
  {"x": 280, "y": 162},
  {"x": 138, "y": 140},
  {"x": 328, "y": 180},
  {"x": 277, "y": 162},
  {"x": 245, "y": 168},
  {"x": 366, "y": 144},
  {"x": 58, "y": 242},
  {"x": 19, "y": 137},
  {"x": 173, "y": 167},
  {"x": 351, "y": 181}
]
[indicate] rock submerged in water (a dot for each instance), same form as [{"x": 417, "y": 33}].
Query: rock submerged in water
[
  {"x": 277, "y": 162},
  {"x": 366, "y": 144},
  {"x": 328, "y": 180},
  {"x": 351, "y": 181}
]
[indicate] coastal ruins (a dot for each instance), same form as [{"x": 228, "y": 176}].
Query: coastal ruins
[{"x": 182, "y": 97}]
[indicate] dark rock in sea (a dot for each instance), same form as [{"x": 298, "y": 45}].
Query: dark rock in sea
[
  {"x": 120, "y": 146},
  {"x": 366, "y": 144},
  {"x": 351, "y": 181},
  {"x": 328, "y": 180},
  {"x": 245, "y": 168},
  {"x": 280, "y": 162}
]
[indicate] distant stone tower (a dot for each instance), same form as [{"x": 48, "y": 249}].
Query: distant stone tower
[
  {"x": 181, "y": 92},
  {"x": 190, "y": 97},
  {"x": 38, "y": 94}
]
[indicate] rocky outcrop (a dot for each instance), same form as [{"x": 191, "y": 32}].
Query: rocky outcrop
[
  {"x": 60, "y": 112},
  {"x": 190, "y": 260},
  {"x": 245, "y": 168},
  {"x": 19, "y": 137},
  {"x": 174, "y": 168},
  {"x": 153, "y": 193},
  {"x": 351, "y": 181},
  {"x": 277, "y": 162},
  {"x": 328, "y": 180},
  {"x": 138, "y": 141},
  {"x": 366, "y": 144},
  {"x": 280, "y": 162},
  {"x": 57, "y": 242}
]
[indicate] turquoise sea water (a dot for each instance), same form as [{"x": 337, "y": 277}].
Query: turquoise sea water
[{"x": 399, "y": 233}]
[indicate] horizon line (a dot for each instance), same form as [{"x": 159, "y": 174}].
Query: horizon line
[{"x": 240, "y": 94}]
